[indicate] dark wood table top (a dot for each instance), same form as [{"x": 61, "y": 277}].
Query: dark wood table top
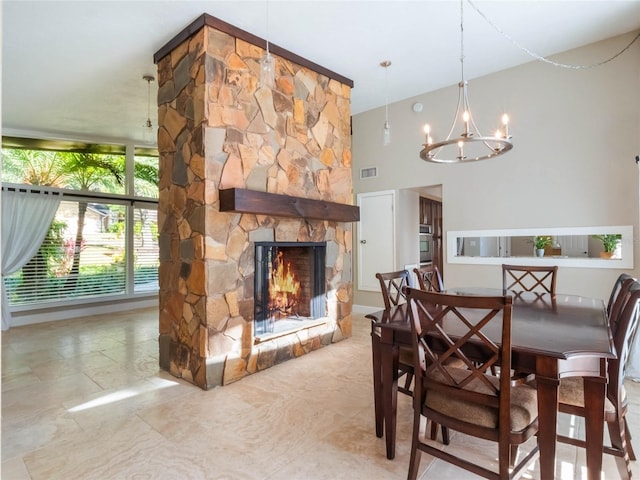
[{"x": 562, "y": 327}]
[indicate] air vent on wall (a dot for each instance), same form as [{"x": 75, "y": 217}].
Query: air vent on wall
[{"x": 369, "y": 172}]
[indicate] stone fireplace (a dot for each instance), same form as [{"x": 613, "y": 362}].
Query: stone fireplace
[{"x": 245, "y": 169}]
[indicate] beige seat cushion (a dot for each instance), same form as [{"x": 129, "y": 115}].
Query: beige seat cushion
[
  {"x": 572, "y": 393},
  {"x": 405, "y": 356},
  {"x": 524, "y": 403}
]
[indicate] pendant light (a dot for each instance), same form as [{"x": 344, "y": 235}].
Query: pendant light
[
  {"x": 267, "y": 63},
  {"x": 148, "y": 134},
  {"x": 386, "y": 128},
  {"x": 470, "y": 145}
]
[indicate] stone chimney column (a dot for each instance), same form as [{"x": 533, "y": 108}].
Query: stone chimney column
[{"x": 218, "y": 129}]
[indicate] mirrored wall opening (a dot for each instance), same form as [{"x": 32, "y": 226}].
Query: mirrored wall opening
[{"x": 602, "y": 247}]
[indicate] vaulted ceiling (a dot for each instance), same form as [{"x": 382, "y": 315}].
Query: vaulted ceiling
[{"x": 72, "y": 68}]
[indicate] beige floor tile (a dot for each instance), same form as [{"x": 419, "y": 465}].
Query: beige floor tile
[
  {"x": 38, "y": 429},
  {"x": 85, "y": 399},
  {"x": 14, "y": 469}
]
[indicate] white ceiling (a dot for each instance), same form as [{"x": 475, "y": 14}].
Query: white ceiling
[{"x": 74, "y": 68}]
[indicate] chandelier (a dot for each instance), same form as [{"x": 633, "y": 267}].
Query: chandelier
[{"x": 471, "y": 145}]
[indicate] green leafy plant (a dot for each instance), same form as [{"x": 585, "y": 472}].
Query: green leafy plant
[
  {"x": 609, "y": 241},
  {"x": 541, "y": 242}
]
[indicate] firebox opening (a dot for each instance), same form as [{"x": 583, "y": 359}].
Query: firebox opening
[{"x": 290, "y": 290}]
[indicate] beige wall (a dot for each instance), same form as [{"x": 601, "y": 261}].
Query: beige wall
[{"x": 575, "y": 132}]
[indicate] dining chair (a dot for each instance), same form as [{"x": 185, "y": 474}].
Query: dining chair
[
  {"x": 571, "y": 392},
  {"x": 429, "y": 278},
  {"x": 392, "y": 287},
  {"x": 618, "y": 299},
  {"x": 529, "y": 278},
  {"x": 616, "y": 290},
  {"x": 469, "y": 400}
]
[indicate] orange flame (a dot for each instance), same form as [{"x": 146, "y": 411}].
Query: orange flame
[{"x": 283, "y": 286}]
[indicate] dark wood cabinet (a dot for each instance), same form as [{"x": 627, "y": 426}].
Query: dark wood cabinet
[{"x": 431, "y": 214}]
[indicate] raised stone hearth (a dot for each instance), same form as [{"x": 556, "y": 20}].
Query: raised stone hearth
[{"x": 219, "y": 129}]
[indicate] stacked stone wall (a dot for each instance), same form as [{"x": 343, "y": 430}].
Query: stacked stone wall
[{"x": 218, "y": 128}]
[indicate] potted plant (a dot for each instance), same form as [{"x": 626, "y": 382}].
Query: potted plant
[
  {"x": 540, "y": 243},
  {"x": 609, "y": 244}
]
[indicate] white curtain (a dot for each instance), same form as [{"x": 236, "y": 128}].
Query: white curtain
[{"x": 26, "y": 217}]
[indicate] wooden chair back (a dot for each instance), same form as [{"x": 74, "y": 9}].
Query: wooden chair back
[
  {"x": 434, "y": 346},
  {"x": 392, "y": 285},
  {"x": 618, "y": 300},
  {"x": 429, "y": 278},
  {"x": 617, "y": 286},
  {"x": 626, "y": 325},
  {"x": 529, "y": 278}
]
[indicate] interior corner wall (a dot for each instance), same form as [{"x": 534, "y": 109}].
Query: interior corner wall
[
  {"x": 576, "y": 134},
  {"x": 407, "y": 220}
]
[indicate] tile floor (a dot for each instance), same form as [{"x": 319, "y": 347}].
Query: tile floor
[{"x": 84, "y": 399}]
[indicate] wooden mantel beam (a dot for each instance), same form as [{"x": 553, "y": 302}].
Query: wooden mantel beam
[{"x": 263, "y": 203}]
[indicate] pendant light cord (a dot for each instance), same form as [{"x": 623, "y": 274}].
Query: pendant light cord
[
  {"x": 546, "y": 60},
  {"x": 267, "y": 4},
  {"x": 386, "y": 95},
  {"x": 148, "y": 102}
]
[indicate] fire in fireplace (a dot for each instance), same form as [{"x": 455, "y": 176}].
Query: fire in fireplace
[{"x": 290, "y": 288}]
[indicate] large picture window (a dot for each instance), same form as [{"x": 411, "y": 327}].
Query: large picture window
[{"x": 103, "y": 241}]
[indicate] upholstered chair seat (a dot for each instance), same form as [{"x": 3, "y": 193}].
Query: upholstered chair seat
[
  {"x": 572, "y": 393},
  {"x": 524, "y": 402}
]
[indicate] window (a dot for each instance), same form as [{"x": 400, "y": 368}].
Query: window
[
  {"x": 103, "y": 241},
  {"x": 145, "y": 247},
  {"x": 145, "y": 177}
]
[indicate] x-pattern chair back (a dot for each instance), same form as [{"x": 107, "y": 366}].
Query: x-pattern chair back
[
  {"x": 529, "y": 278},
  {"x": 392, "y": 285},
  {"x": 429, "y": 278},
  {"x": 463, "y": 338}
]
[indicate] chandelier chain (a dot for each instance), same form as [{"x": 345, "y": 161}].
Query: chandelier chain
[
  {"x": 546, "y": 60},
  {"x": 462, "y": 38}
]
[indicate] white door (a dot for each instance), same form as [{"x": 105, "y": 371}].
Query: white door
[
  {"x": 504, "y": 246},
  {"x": 376, "y": 237}
]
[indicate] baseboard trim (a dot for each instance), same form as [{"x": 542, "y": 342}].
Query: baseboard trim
[
  {"x": 364, "y": 309},
  {"x": 19, "y": 319}
]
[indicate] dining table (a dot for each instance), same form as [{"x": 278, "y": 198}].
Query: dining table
[{"x": 553, "y": 337}]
